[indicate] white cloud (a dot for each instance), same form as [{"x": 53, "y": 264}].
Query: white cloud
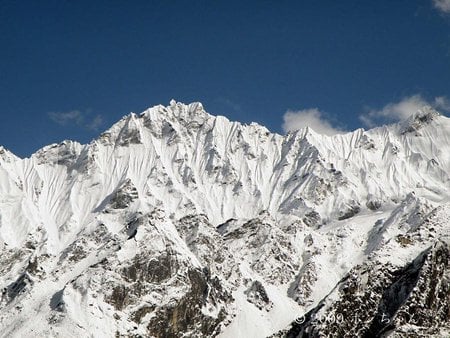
[
  {"x": 442, "y": 5},
  {"x": 312, "y": 118},
  {"x": 402, "y": 109},
  {"x": 394, "y": 111},
  {"x": 77, "y": 118},
  {"x": 442, "y": 103},
  {"x": 65, "y": 118},
  {"x": 96, "y": 123}
]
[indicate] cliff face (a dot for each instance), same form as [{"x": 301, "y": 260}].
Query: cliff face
[{"x": 177, "y": 223}]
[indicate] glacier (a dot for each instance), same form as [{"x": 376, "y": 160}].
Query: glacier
[{"x": 178, "y": 223}]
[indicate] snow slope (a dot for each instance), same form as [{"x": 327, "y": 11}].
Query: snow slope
[{"x": 176, "y": 222}]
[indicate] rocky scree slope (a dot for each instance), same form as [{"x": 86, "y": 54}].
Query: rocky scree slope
[{"x": 177, "y": 223}]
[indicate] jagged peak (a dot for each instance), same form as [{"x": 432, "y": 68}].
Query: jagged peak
[
  {"x": 64, "y": 152},
  {"x": 63, "y": 144},
  {"x": 426, "y": 111},
  {"x": 177, "y": 109},
  {"x": 175, "y": 112},
  {"x": 3, "y": 150},
  {"x": 6, "y": 155},
  {"x": 420, "y": 118}
]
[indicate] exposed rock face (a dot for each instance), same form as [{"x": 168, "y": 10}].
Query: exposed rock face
[
  {"x": 124, "y": 196},
  {"x": 379, "y": 299},
  {"x": 257, "y": 295},
  {"x": 177, "y": 223},
  {"x": 349, "y": 212},
  {"x": 186, "y": 318}
]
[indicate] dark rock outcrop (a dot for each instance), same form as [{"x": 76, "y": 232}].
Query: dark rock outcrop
[{"x": 376, "y": 300}]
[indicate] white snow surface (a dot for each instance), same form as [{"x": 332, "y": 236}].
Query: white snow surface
[{"x": 320, "y": 205}]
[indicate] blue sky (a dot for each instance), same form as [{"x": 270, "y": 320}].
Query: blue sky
[{"x": 69, "y": 69}]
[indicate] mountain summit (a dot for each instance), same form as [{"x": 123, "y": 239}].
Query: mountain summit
[{"x": 177, "y": 223}]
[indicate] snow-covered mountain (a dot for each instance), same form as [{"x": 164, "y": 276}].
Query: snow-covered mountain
[{"x": 177, "y": 223}]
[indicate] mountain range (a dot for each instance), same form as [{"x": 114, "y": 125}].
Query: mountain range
[{"x": 177, "y": 223}]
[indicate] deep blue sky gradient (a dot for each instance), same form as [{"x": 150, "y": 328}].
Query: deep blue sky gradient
[{"x": 247, "y": 60}]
